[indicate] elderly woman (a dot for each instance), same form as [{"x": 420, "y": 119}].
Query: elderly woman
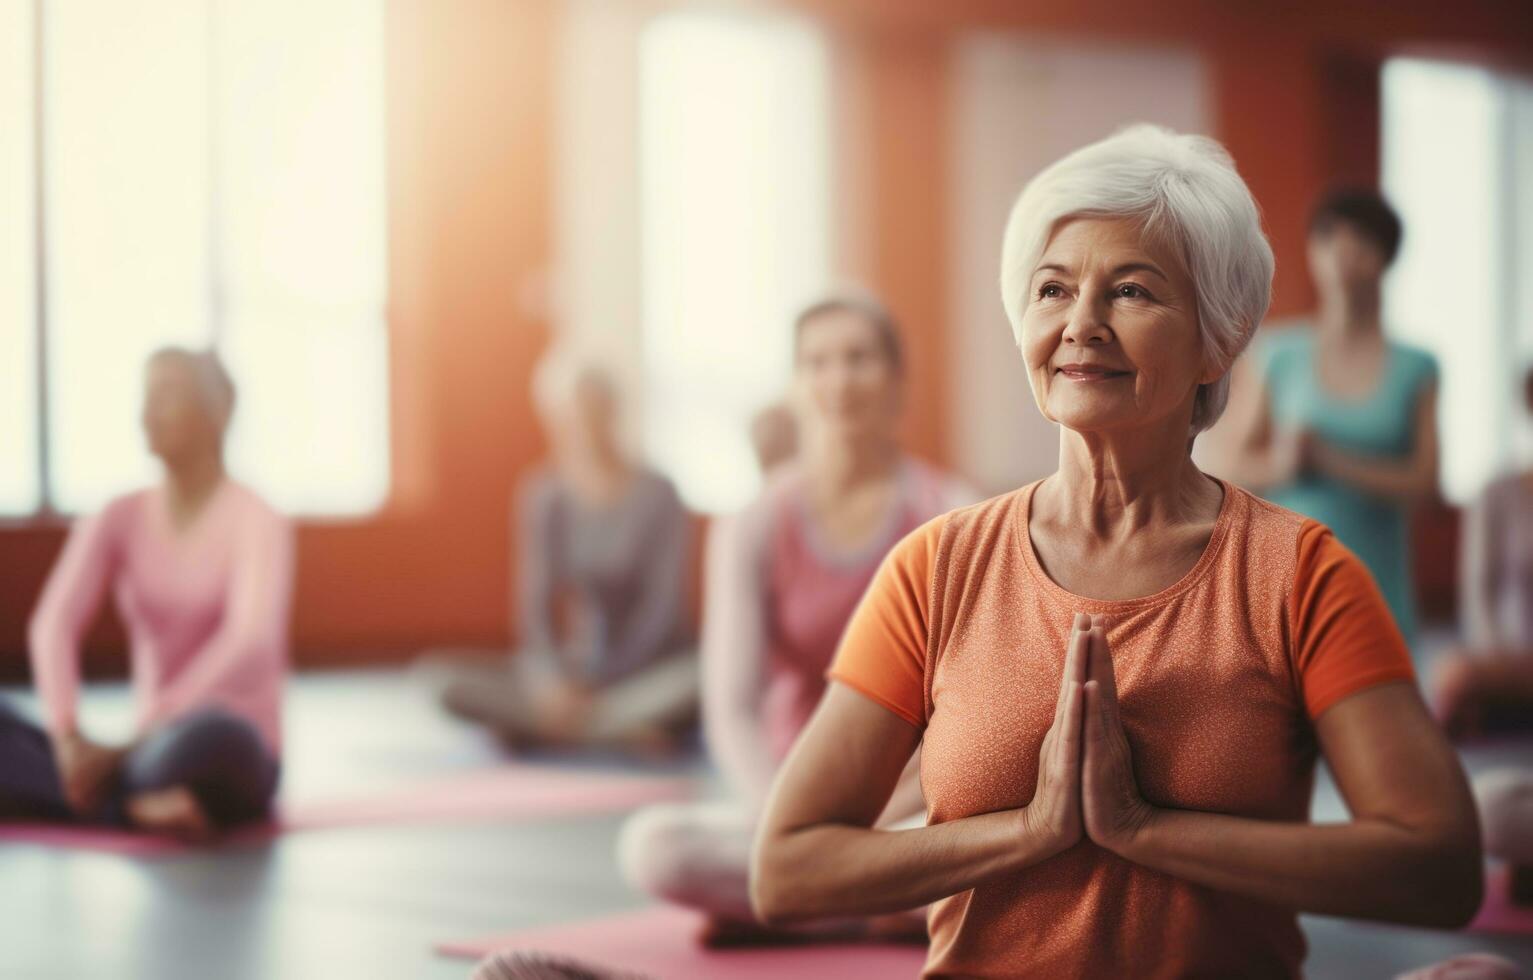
[
  {"x": 202, "y": 572},
  {"x": 606, "y": 656},
  {"x": 1119, "y": 677}
]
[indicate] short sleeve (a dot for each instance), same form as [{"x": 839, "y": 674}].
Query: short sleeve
[
  {"x": 1426, "y": 369},
  {"x": 1345, "y": 638},
  {"x": 882, "y": 655}
]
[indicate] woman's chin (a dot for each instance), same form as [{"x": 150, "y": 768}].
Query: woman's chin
[{"x": 1095, "y": 418}]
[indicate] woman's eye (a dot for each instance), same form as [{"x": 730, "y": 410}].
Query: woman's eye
[
  {"x": 1131, "y": 290},
  {"x": 1050, "y": 290}
]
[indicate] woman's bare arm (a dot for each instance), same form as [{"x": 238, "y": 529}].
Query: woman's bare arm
[
  {"x": 816, "y": 856},
  {"x": 1245, "y": 447},
  {"x": 1411, "y": 480},
  {"x": 1411, "y": 852}
]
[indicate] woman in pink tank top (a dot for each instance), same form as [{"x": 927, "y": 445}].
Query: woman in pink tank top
[{"x": 783, "y": 576}]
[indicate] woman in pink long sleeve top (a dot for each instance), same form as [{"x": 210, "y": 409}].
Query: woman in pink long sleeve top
[{"x": 201, "y": 570}]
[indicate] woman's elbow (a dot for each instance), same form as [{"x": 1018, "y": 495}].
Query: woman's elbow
[
  {"x": 1448, "y": 886},
  {"x": 774, "y": 900},
  {"x": 768, "y": 902},
  {"x": 1461, "y": 889}
]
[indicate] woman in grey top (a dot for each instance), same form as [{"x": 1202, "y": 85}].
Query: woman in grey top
[{"x": 603, "y": 569}]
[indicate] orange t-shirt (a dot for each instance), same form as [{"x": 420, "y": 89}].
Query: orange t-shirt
[{"x": 1219, "y": 676}]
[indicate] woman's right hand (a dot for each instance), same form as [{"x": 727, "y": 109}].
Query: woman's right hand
[
  {"x": 85, "y": 769},
  {"x": 1053, "y": 818}
]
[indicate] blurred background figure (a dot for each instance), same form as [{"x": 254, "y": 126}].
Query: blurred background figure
[
  {"x": 1346, "y": 428},
  {"x": 383, "y": 215},
  {"x": 783, "y": 578},
  {"x": 603, "y": 570},
  {"x": 1488, "y": 682},
  {"x": 774, "y": 436},
  {"x": 202, "y": 571}
]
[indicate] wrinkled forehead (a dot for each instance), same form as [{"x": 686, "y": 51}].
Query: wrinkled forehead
[{"x": 1084, "y": 237}]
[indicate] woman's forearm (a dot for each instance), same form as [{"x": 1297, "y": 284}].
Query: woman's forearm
[
  {"x": 1365, "y": 869},
  {"x": 833, "y": 870},
  {"x": 1408, "y": 481},
  {"x": 1256, "y": 467}
]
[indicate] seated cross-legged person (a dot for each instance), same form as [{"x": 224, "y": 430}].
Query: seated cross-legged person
[{"x": 202, "y": 572}]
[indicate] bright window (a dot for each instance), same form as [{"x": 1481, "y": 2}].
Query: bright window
[
  {"x": 734, "y": 171},
  {"x": 213, "y": 176},
  {"x": 19, "y": 489},
  {"x": 1450, "y": 167}
]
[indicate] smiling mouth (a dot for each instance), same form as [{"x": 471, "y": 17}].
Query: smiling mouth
[{"x": 1079, "y": 372}]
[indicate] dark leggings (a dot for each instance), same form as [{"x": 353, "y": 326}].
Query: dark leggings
[{"x": 216, "y": 755}]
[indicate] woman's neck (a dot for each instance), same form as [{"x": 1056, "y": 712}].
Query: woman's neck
[
  {"x": 190, "y": 482},
  {"x": 1115, "y": 483},
  {"x": 599, "y": 475},
  {"x": 836, "y": 464},
  {"x": 1349, "y": 315}
]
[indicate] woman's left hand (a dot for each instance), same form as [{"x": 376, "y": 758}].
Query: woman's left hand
[{"x": 1112, "y": 808}]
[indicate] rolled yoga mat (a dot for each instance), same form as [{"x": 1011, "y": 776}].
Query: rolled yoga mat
[
  {"x": 503, "y": 794},
  {"x": 661, "y": 942}
]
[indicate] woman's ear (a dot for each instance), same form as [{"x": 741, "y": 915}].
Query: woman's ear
[{"x": 1212, "y": 372}]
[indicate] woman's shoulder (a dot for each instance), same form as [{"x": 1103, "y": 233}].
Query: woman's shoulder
[
  {"x": 967, "y": 528},
  {"x": 117, "y": 515},
  {"x": 657, "y": 488},
  {"x": 251, "y": 508},
  {"x": 1283, "y": 345},
  {"x": 130, "y": 505},
  {"x": 934, "y": 490},
  {"x": 1268, "y": 534},
  {"x": 753, "y": 525},
  {"x": 1420, "y": 363}
]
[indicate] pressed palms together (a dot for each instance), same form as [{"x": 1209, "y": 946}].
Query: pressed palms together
[{"x": 1086, "y": 785}]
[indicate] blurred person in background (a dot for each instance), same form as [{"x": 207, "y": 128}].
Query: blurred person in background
[
  {"x": 1119, "y": 678},
  {"x": 774, "y": 436},
  {"x": 1345, "y": 425},
  {"x": 603, "y": 569},
  {"x": 1488, "y": 683},
  {"x": 1486, "y": 686},
  {"x": 782, "y": 578},
  {"x": 202, "y": 572}
]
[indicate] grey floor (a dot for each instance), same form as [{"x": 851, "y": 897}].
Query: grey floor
[{"x": 369, "y": 903}]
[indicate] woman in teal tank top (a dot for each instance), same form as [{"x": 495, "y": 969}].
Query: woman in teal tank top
[{"x": 1351, "y": 414}]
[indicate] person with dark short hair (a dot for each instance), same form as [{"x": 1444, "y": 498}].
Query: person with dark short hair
[{"x": 1344, "y": 429}]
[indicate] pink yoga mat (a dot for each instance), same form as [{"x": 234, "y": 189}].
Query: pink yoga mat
[
  {"x": 662, "y": 942},
  {"x": 1498, "y": 914},
  {"x": 503, "y": 794}
]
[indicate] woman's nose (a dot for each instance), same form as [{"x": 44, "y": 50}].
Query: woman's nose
[{"x": 1088, "y": 323}]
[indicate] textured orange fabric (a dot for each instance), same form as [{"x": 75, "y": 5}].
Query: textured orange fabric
[{"x": 1220, "y": 675}]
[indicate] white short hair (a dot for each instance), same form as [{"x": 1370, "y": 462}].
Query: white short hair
[
  {"x": 1179, "y": 186},
  {"x": 214, "y": 385}
]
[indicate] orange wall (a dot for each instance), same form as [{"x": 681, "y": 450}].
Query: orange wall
[{"x": 469, "y": 102}]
